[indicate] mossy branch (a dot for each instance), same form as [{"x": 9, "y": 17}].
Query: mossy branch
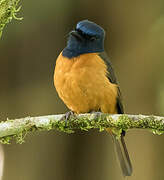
[
  {"x": 8, "y": 11},
  {"x": 18, "y": 128}
]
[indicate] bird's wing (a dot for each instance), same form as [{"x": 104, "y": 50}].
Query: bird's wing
[{"x": 112, "y": 78}]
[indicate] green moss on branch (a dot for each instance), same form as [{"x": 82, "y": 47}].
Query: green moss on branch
[
  {"x": 18, "y": 128},
  {"x": 8, "y": 11}
]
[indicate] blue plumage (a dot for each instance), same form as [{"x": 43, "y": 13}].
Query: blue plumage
[
  {"x": 90, "y": 28},
  {"x": 88, "y": 37}
]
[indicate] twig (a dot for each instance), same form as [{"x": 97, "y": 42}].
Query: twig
[{"x": 18, "y": 128}]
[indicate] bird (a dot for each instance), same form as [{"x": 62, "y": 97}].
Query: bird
[{"x": 85, "y": 80}]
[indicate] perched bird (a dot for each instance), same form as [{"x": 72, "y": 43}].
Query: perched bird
[{"x": 85, "y": 80}]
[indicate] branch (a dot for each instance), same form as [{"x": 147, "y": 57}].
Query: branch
[
  {"x": 8, "y": 11},
  {"x": 18, "y": 128}
]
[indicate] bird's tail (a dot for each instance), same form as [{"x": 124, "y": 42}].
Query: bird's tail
[{"x": 122, "y": 154}]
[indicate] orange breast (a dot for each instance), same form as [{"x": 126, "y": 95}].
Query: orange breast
[{"x": 82, "y": 84}]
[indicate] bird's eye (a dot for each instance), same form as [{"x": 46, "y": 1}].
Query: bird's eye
[
  {"x": 93, "y": 38},
  {"x": 86, "y": 35}
]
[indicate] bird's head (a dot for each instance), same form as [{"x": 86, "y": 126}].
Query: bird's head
[{"x": 88, "y": 37}]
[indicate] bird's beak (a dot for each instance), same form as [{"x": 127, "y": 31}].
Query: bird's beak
[{"x": 76, "y": 35}]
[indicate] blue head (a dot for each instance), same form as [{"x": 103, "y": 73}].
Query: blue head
[{"x": 87, "y": 37}]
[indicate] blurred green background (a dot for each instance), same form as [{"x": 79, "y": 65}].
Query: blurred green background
[{"x": 28, "y": 50}]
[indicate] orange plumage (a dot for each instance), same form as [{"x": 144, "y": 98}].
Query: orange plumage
[{"x": 83, "y": 85}]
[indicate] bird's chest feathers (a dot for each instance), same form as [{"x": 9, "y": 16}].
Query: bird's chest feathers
[{"x": 80, "y": 81}]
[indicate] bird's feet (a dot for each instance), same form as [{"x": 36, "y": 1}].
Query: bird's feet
[{"x": 67, "y": 116}]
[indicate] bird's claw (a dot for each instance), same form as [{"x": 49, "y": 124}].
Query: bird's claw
[{"x": 67, "y": 116}]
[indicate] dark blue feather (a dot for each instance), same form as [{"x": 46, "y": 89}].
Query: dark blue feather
[{"x": 90, "y": 28}]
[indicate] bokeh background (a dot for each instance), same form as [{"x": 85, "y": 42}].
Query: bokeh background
[{"x": 28, "y": 49}]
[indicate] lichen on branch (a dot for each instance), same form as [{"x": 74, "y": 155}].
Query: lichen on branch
[
  {"x": 8, "y": 11},
  {"x": 18, "y": 128}
]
